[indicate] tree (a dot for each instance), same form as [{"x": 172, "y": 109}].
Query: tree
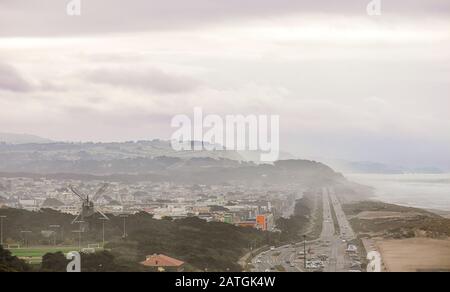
[
  {"x": 54, "y": 262},
  {"x": 98, "y": 262},
  {"x": 10, "y": 263}
]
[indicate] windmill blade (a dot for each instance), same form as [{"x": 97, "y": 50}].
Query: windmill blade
[
  {"x": 101, "y": 213},
  {"x": 76, "y": 218},
  {"x": 77, "y": 193},
  {"x": 100, "y": 192}
]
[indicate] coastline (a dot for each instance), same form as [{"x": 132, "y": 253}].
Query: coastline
[
  {"x": 408, "y": 239},
  {"x": 424, "y": 191}
]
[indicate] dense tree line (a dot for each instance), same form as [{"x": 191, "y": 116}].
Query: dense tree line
[
  {"x": 202, "y": 245},
  {"x": 211, "y": 246}
]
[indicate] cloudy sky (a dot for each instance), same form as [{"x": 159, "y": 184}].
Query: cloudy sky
[{"x": 346, "y": 85}]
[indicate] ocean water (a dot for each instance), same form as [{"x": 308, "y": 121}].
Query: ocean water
[{"x": 427, "y": 191}]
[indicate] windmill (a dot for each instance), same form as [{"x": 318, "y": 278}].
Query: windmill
[{"x": 87, "y": 206}]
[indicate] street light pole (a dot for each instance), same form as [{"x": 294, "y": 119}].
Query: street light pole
[
  {"x": 25, "y": 239},
  {"x": 79, "y": 233},
  {"x": 103, "y": 231},
  {"x": 124, "y": 216},
  {"x": 54, "y": 234},
  {"x": 304, "y": 251},
  {"x": 1, "y": 229}
]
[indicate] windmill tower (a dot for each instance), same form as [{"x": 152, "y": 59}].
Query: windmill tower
[{"x": 88, "y": 208}]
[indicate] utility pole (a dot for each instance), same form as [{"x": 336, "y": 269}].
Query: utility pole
[
  {"x": 79, "y": 233},
  {"x": 124, "y": 216},
  {"x": 103, "y": 231},
  {"x": 304, "y": 251},
  {"x": 55, "y": 232},
  {"x": 1, "y": 229},
  {"x": 25, "y": 239}
]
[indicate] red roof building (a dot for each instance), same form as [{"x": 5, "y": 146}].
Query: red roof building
[{"x": 163, "y": 262}]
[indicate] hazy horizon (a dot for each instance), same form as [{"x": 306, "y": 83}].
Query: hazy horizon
[{"x": 346, "y": 85}]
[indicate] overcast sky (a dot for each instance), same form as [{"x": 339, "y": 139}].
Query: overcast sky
[{"x": 346, "y": 85}]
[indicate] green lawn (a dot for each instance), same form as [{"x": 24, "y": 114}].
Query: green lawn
[{"x": 38, "y": 252}]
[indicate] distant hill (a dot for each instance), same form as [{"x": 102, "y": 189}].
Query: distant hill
[
  {"x": 63, "y": 151},
  {"x": 186, "y": 171},
  {"x": 156, "y": 161},
  {"x": 22, "y": 139},
  {"x": 26, "y": 144},
  {"x": 255, "y": 156}
]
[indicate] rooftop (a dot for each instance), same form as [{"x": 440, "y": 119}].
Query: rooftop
[{"x": 160, "y": 260}]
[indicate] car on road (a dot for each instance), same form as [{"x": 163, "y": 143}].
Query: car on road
[
  {"x": 272, "y": 248},
  {"x": 323, "y": 257},
  {"x": 312, "y": 266},
  {"x": 354, "y": 266}
]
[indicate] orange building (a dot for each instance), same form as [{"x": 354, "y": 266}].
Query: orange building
[
  {"x": 265, "y": 222},
  {"x": 261, "y": 222}
]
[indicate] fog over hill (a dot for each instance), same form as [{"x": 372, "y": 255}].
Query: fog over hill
[{"x": 152, "y": 160}]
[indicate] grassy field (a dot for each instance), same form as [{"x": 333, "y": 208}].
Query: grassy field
[{"x": 33, "y": 255}]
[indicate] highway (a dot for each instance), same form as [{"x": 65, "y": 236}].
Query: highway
[{"x": 329, "y": 245}]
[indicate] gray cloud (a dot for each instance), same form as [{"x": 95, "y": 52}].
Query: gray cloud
[
  {"x": 354, "y": 87},
  {"x": 148, "y": 79},
  {"x": 48, "y": 17},
  {"x": 11, "y": 80}
]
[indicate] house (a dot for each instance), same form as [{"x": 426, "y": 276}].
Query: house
[
  {"x": 352, "y": 248},
  {"x": 163, "y": 263}
]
